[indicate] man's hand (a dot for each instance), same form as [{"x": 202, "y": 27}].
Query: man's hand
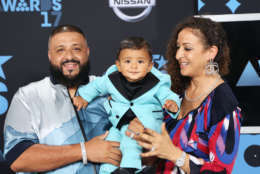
[
  {"x": 171, "y": 106},
  {"x": 79, "y": 102},
  {"x": 101, "y": 151}
]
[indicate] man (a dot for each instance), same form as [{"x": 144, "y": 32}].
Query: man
[{"x": 42, "y": 133}]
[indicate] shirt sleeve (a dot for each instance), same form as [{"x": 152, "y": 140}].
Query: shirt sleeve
[
  {"x": 95, "y": 118},
  {"x": 19, "y": 133},
  {"x": 223, "y": 146},
  {"x": 4, "y": 167},
  {"x": 94, "y": 89}
]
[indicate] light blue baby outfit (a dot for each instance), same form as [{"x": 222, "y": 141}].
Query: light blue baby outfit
[{"x": 146, "y": 104}]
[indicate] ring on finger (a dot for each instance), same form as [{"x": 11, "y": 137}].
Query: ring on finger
[
  {"x": 132, "y": 135},
  {"x": 152, "y": 149}
]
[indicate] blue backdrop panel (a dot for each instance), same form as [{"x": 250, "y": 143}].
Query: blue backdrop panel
[{"x": 241, "y": 166}]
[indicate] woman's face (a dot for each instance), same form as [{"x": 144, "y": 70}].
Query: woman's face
[{"x": 191, "y": 53}]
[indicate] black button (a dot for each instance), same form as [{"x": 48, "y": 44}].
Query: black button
[
  {"x": 117, "y": 116},
  {"x": 131, "y": 104}
]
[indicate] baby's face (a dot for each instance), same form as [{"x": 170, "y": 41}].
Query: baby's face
[{"x": 134, "y": 64}]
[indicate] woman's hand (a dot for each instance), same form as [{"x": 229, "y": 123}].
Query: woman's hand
[
  {"x": 159, "y": 145},
  {"x": 135, "y": 128}
]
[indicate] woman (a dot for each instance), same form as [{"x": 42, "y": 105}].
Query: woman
[{"x": 204, "y": 138}]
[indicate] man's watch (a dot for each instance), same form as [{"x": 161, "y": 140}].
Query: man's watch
[{"x": 180, "y": 162}]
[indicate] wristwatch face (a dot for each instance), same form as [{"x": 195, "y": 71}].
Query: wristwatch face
[{"x": 181, "y": 160}]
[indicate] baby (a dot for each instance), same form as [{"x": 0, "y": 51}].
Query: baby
[{"x": 137, "y": 89}]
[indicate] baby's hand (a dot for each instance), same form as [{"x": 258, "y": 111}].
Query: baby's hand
[
  {"x": 171, "y": 106},
  {"x": 79, "y": 102}
]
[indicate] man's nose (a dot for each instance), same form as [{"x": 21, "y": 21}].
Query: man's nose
[{"x": 69, "y": 54}]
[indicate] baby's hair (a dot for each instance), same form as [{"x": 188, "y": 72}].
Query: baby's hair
[{"x": 135, "y": 43}]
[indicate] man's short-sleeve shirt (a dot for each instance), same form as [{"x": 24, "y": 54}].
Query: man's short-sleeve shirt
[{"x": 42, "y": 112}]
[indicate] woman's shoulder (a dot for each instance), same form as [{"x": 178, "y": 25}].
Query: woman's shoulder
[
  {"x": 224, "y": 102},
  {"x": 223, "y": 94}
]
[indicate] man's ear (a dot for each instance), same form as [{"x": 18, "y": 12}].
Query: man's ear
[
  {"x": 49, "y": 55},
  {"x": 118, "y": 65},
  {"x": 88, "y": 51}
]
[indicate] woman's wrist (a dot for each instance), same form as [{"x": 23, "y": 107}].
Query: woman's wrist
[
  {"x": 181, "y": 160},
  {"x": 175, "y": 154},
  {"x": 179, "y": 157}
]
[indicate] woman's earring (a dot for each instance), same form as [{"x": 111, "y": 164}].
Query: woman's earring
[{"x": 212, "y": 67}]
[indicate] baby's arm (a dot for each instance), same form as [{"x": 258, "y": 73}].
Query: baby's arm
[
  {"x": 79, "y": 102},
  {"x": 168, "y": 98},
  {"x": 171, "y": 106},
  {"x": 97, "y": 87}
]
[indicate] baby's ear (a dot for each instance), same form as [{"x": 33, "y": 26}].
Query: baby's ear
[{"x": 118, "y": 65}]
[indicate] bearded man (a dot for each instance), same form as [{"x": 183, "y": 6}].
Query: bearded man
[{"x": 43, "y": 132}]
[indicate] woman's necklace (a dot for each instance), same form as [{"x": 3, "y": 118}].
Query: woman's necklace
[{"x": 202, "y": 94}]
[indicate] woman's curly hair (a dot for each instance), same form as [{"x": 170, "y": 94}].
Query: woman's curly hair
[{"x": 211, "y": 33}]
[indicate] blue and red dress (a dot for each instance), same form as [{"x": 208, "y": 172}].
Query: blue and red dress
[{"x": 211, "y": 132}]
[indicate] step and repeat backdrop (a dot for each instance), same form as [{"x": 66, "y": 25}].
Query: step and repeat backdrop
[
  {"x": 26, "y": 24},
  {"x": 241, "y": 20}
]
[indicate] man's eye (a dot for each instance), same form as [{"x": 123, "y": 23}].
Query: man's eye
[
  {"x": 60, "y": 50},
  {"x": 127, "y": 61},
  {"x": 77, "y": 49},
  {"x": 140, "y": 61}
]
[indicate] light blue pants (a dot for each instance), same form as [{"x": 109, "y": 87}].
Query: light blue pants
[{"x": 130, "y": 151}]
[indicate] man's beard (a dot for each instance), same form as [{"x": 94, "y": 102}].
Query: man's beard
[{"x": 79, "y": 79}]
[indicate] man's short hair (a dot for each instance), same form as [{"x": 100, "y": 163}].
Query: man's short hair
[{"x": 66, "y": 28}]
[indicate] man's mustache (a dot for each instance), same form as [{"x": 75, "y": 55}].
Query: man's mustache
[{"x": 70, "y": 61}]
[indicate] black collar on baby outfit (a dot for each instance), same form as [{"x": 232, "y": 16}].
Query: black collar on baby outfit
[{"x": 132, "y": 90}]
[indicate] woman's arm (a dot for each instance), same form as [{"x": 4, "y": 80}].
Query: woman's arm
[
  {"x": 223, "y": 145},
  {"x": 152, "y": 141},
  {"x": 161, "y": 146}
]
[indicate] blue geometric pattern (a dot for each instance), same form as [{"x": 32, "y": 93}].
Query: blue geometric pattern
[
  {"x": 3, "y": 59},
  {"x": 249, "y": 76},
  {"x": 233, "y": 5},
  {"x": 241, "y": 166},
  {"x": 160, "y": 60},
  {"x": 3, "y": 101},
  {"x": 200, "y": 4}
]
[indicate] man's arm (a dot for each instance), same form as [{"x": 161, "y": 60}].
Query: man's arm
[
  {"x": 39, "y": 157},
  {"x": 24, "y": 153}
]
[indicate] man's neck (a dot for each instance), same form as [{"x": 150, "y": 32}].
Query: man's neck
[{"x": 72, "y": 91}]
